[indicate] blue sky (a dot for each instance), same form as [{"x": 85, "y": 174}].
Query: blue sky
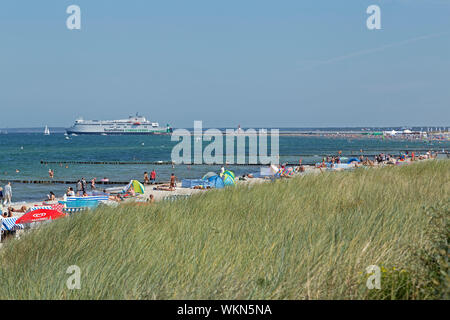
[{"x": 257, "y": 63}]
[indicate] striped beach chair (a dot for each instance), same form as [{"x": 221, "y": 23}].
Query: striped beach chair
[{"x": 10, "y": 224}]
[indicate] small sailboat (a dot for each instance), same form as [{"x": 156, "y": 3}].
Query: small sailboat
[{"x": 46, "y": 131}]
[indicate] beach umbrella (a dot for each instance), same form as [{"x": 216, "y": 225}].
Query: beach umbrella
[{"x": 40, "y": 215}]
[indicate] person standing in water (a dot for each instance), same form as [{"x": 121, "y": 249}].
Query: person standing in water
[
  {"x": 8, "y": 194},
  {"x": 83, "y": 185},
  {"x": 93, "y": 183},
  {"x": 1, "y": 199},
  {"x": 153, "y": 177},
  {"x": 79, "y": 187}
]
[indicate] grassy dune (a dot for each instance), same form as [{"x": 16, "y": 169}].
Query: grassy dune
[{"x": 305, "y": 238}]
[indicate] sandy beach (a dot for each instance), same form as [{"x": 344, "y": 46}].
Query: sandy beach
[
  {"x": 157, "y": 194},
  {"x": 180, "y": 191}
]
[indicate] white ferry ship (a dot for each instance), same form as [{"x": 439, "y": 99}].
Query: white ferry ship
[{"x": 132, "y": 126}]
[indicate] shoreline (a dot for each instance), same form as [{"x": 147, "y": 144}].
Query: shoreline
[
  {"x": 159, "y": 195},
  {"x": 180, "y": 191}
]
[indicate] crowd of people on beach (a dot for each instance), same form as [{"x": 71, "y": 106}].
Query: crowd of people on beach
[
  {"x": 82, "y": 185},
  {"x": 379, "y": 159},
  {"x": 332, "y": 161}
]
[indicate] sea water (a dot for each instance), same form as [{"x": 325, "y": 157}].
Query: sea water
[{"x": 24, "y": 152}]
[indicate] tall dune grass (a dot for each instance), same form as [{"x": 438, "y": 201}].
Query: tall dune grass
[{"x": 310, "y": 237}]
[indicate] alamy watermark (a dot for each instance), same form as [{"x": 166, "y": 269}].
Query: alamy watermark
[
  {"x": 374, "y": 279},
  {"x": 74, "y": 20},
  {"x": 74, "y": 281},
  {"x": 213, "y": 153},
  {"x": 374, "y": 20}
]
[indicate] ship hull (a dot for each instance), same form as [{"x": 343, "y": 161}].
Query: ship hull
[
  {"x": 116, "y": 133},
  {"x": 137, "y": 125}
]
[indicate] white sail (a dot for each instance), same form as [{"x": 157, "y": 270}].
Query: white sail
[{"x": 46, "y": 131}]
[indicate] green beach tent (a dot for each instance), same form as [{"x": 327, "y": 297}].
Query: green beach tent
[
  {"x": 231, "y": 173},
  {"x": 136, "y": 186},
  {"x": 228, "y": 178}
]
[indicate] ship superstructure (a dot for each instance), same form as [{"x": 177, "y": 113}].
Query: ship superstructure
[{"x": 133, "y": 125}]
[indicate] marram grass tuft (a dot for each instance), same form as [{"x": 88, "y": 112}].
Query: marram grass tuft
[{"x": 310, "y": 237}]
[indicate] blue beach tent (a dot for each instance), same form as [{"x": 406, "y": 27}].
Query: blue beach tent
[
  {"x": 352, "y": 159},
  {"x": 216, "y": 182}
]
